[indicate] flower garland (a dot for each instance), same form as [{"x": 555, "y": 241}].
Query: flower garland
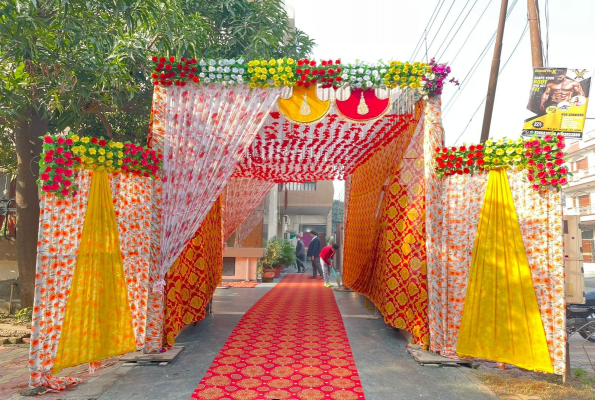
[
  {"x": 542, "y": 157},
  {"x": 63, "y": 155},
  {"x": 427, "y": 78}
]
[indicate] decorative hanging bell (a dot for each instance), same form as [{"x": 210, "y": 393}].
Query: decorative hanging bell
[
  {"x": 305, "y": 108},
  {"x": 362, "y": 108}
]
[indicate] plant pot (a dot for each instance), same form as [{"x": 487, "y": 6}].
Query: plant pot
[
  {"x": 268, "y": 275},
  {"x": 278, "y": 269}
]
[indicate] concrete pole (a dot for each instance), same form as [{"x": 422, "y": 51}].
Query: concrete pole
[
  {"x": 487, "y": 117},
  {"x": 536, "y": 51}
]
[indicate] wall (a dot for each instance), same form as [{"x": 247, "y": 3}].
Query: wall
[{"x": 246, "y": 260}]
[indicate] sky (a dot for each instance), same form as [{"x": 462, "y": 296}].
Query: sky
[{"x": 375, "y": 30}]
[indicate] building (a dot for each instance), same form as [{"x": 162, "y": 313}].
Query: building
[
  {"x": 579, "y": 195},
  {"x": 299, "y": 207}
]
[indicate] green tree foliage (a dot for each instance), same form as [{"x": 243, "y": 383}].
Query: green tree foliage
[
  {"x": 85, "y": 65},
  {"x": 337, "y": 213}
]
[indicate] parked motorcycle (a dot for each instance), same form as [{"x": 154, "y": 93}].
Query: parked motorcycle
[{"x": 581, "y": 318}]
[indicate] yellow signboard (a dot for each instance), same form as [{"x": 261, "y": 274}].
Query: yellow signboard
[{"x": 559, "y": 98}]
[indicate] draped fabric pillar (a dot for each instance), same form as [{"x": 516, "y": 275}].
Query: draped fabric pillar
[
  {"x": 501, "y": 320},
  {"x": 242, "y": 196},
  {"x": 253, "y": 220},
  {"x": 204, "y": 132},
  {"x": 98, "y": 323},
  {"x": 195, "y": 275}
]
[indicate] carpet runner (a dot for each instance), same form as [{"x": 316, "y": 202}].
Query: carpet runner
[
  {"x": 240, "y": 284},
  {"x": 290, "y": 345}
]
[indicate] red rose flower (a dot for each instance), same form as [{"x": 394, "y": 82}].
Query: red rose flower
[
  {"x": 168, "y": 67},
  {"x": 451, "y": 157},
  {"x": 69, "y": 163},
  {"x": 479, "y": 147},
  {"x": 161, "y": 59},
  {"x": 444, "y": 149},
  {"x": 466, "y": 170},
  {"x": 48, "y": 139},
  {"x": 560, "y": 138},
  {"x": 48, "y": 158},
  {"x": 453, "y": 148},
  {"x": 300, "y": 83},
  {"x": 478, "y": 154},
  {"x": 559, "y": 161},
  {"x": 544, "y": 182},
  {"x": 69, "y": 142},
  {"x": 338, "y": 79},
  {"x": 172, "y": 59},
  {"x": 560, "y": 145},
  {"x": 338, "y": 61},
  {"x": 68, "y": 154},
  {"x": 182, "y": 74},
  {"x": 58, "y": 178},
  {"x": 44, "y": 177},
  {"x": 331, "y": 71},
  {"x": 449, "y": 164},
  {"x": 339, "y": 70},
  {"x": 563, "y": 181},
  {"x": 462, "y": 148},
  {"x": 458, "y": 165},
  {"x": 549, "y": 165},
  {"x": 528, "y": 145},
  {"x": 459, "y": 172},
  {"x": 94, "y": 140},
  {"x": 307, "y": 84},
  {"x": 300, "y": 63},
  {"x": 312, "y": 63},
  {"x": 538, "y": 151},
  {"x": 68, "y": 172},
  {"x": 531, "y": 162},
  {"x": 155, "y": 59},
  {"x": 554, "y": 181},
  {"x": 548, "y": 156},
  {"x": 323, "y": 63},
  {"x": 535, "y": 187},
  {"x": 548, "y": 138},
  {"x": 437, "y": 149},
  {"x": 470, "y": 155},
  {"x": 541, "y": 174},
  {"x": 65, "y": 192},
  {"x": 195, "y": 79},
  {"x": 563, "y": 170},
  {"x": 102, "y": 143},
  {"x": 67, "y": 183},
  {"x": 540, "y": 166},
  {"x": 547, "y": 148},
  {"x": 551, "y": 172},
  {"x": 441, "y": 165},
  {"x": 480, "y": 161},
  {"x": 469, "y": 162},
  {"x": 530, "y": 177},
  {"x": 59, "y": 150},
  {"x": 536, "y": 143}
]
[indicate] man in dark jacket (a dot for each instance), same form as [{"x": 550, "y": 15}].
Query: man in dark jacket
[
  {"x": 314, "y": 255},
  {"x": 300, "y": 255}
]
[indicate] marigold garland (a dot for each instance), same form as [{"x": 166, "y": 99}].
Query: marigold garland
[
  {"x": 542, "y": 157},
  {"x": 63, "y": 155},
  {"x": 427, "y": 78}
]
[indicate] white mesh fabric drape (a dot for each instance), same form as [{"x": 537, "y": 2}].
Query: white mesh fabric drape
[
  {"x": 251, "y": 222},
  {"x": 206, "y": 132},
  {"x": 242, "y": 197}
]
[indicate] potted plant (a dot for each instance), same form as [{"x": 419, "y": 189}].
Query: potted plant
[
  {"x": 285, "y": 257},
  {"x": 265, "y": 264}
]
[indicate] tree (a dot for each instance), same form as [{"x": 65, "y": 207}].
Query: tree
[
  {"x": 84, "y": 65},
  {"x": 337, "y": 213}
]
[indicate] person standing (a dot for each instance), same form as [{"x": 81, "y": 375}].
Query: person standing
[
  {"x": 300, "y": 255},
  {"x": 314, "y": 255},
  {"x": 327, "y": 254}
]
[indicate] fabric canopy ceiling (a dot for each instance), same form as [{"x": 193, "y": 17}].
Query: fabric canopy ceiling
[{"x": 330, "y": 148}]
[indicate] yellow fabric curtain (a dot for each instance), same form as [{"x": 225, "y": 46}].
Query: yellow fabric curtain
[
  {"x": 98, "y": 323},
  {"x": 501, "y": 320}
]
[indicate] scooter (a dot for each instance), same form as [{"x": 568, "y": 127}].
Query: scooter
[{"x": 581, "y": 318}]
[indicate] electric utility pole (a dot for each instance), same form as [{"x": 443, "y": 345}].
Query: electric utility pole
[
  {"x": 536, "y": 52},
  {"x": 487, "y": 117}
]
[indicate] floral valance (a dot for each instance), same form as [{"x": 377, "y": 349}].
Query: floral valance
[
  {"x": 63, "y": 156},
  {"x": 428, "y": 78},
  {"x": 543, "y": 157}
]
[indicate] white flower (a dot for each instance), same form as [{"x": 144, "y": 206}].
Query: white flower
[
  {"x": 202, "y": 75},
  {"x": 232, "y": 61},
  {"x": 422, "y": 83},
  {"x": 383, "y": 71},
  {"x": 241, "y": 70},
  {"x": 368, "y": 72},
  {"x": 358, "y": 85},
  {"x": 361, "y": 70},
  {"x": 226, "y": 78},
  {"x": 433, "y": 77},
  {"x": 234, "y": 70},
  {"x": 226, "y": 70},
  {"x": 219, "y": 69},
  {"x": 353, "y": 79},
  {"x": 240, "y": 80},
  {"x": 219, "y": 76},
  {"x": 360, "y": 79},
  {"x": 222, "y": 62},
  {"x": 234, "y": 76},
  {"x": 212, "y": 62},
  {"x": 240, "y": 60},
  {"x": 202, "y": 63},
  {"x": 207, "y": 80},
  {"x": 369, "y": 84},
  {"x": 366, "y": 78},
  {"x": 212, "y": 69},
  {"x": 212, "y": 76},
  {"x": 345, "y": 76}
]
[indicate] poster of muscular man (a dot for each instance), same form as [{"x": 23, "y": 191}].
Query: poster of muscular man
[{"x": 559, "y": 98}]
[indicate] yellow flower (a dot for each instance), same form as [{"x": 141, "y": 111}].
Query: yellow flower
[
  {"x": 252, "y": 85},
  {"x": 520, "y": 167},
  {"x": 280, "y": 69},
  {"x": 399, "y": 63},
  {"x": 250, "y": 70},
  {"x": 272, "y": 71},
  {"x": 500, "y": 152},
  {"x": 393, "y": 63},
  {"x": 413, "y": 85},
  {"x": 412, "y": 78},
  {"x": 101, "y": 168},
  {"x": 120, "y": 162},
  {"x": 92, "y": 151},
  {"x": 420, "y": 73},
  {"x": 83, "y": 158},
  {"x": 510, "y": 150},
  {"x": 506, "y": 160},
  {"x": 74, "y": 138},
  {"x": 500, "y": 141},
  {"x": 101, "y": 158},
  {"x": 85, "y": 140},
  {"x": 403, "y": 85},
  {"x": 275, "y": 77},
  {"x": 254, "y": 79},
  {"x": 263, "y": 63},
  {"x": 496, "y": 161},
  {"x": 394, "y": 85},
  {"x": 109, "y": 162},
  {"x": 120, "y": 154},
  {"x": 387, "y": 76},
  {"x": 280, "y": 61},
  {"x": 250, "y": 63},
  {"x": 489, "y": 143},
  {"x": 273, "y": 62},
  {"x": 519, "y": 141},
  {"x": 290, "y": 74},
  {"x": 519, "y": 150},
  {"x": 102, "y": 151},
  {"x": 517, "y": 158},
  {"x": 119, "y": 145},
  {"x": 109, "y": 154},
  {"x": 487, "y": 167},
  {"x": 488, "y": 150},
  {"x": 290, "y": 61},
  {"x": 386, "y": 83},
  {"x": 90, "y": 160},
  {"x": 405, "y": 70},
  {"x": 487, "y": 159},
  {"x": 284, "y": 77},
  {"x": 287, "y": 69},
  {"x": 414, "y": 70},
  {"x": 510, "y": 141},
  {"x": 277, "y": 83},
  {"x": 398, "y": 71},
  {"x": 404, "y": 79},
  {"x": 112, "y": 144},
  {"x": 266, "y": 86}
]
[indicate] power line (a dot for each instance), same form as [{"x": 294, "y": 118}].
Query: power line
[
  {"x": 475, "y": 66},
  {"x": 501, "y": 70},
  {"x": 428, "y": 27},
  {"x": 441, "y": 24},
  {"x": 468, "y": 36},
  {"x": 547, "y": 33},
  {"x": 455, "y": 35}
]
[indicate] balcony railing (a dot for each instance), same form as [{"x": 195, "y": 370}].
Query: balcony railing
[
  {"x": 581, "y": 173},
  {"x": 583, "y": 210}
]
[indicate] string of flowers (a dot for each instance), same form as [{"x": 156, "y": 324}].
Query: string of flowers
[
  {"x": 426, "y": 78},
  {"x": 63, "y": 156},
  {"x": 542, "y": 157}
]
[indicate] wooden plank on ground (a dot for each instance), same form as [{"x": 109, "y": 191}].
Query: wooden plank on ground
[
  {"x": 425, "y": 357},
  {"x": 152, "y": 358}
]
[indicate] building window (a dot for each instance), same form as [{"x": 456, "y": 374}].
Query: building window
[
  {"x": 582, "y": 164},
  {"x": 302, "y": 187},
  {"x": 584, "y": 201},
  {"x": 587, "y": 234},
  {"x": 229, "y": 266}
]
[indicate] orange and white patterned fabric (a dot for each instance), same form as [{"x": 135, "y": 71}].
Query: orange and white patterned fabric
[
  {"x": 456, "y": 211},
  {"x": 195, "y": 275},
  {"x": 60, "y": 230}
]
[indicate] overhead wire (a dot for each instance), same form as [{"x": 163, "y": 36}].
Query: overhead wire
[
  {"x": 477, "y": 62},
  {"x": 469, "y": 35},
  {"x": 499, "y": 72},
  {"x": 456, "y": 33},
  {"x": 547, "y": 33},
  {"x": 428, "y": 28},
  {"x": 441, "y": 24}
]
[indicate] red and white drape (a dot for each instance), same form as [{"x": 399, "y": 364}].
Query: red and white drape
[{"x": 242, "y": 196}]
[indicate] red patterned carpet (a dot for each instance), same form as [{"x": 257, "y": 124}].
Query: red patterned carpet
[
  {"x": 240, "y": 284},
  {"x": 290, "y": 345}
]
